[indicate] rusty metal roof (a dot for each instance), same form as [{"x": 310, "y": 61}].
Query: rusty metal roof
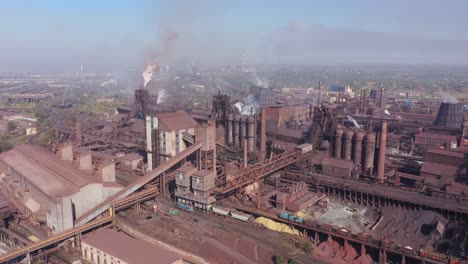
[
  {"x": 439, "y": 169},
  {"x": 338, "y": 163},
  {"x": 176, "y": 121},
  {"x": 128, "y": 249},
  {"x": 54, "y": 177}
]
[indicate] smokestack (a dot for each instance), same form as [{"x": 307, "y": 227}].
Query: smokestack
[
  {"x": 382, "y": 105},
  {"x": 361, "y": 102},
  {"x": 358, "y": 148},
  {"x": 320, "y": 93},
  {"x": 382, "y": 148},
  {"x": 229, "y": 129},
  {"x": 369, "y": 155},
  {"x": 348, "y": 144},
  {"x": 263, "y": 134},
  {"x": 235, "y": 128},
  {"x": 338, "y": 136}
]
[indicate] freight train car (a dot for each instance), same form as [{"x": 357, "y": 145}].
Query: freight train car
[
  {"x": 184, "y": 207},
  {"x": 291, "y": 217}
]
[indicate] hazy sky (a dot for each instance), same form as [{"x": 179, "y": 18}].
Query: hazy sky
[{"x": 104, "y": 35}]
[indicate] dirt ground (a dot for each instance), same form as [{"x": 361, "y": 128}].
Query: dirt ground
[{"x": 217, "y": 239}]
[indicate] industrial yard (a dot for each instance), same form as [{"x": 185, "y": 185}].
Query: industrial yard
[{"x": 260, "y": 155}]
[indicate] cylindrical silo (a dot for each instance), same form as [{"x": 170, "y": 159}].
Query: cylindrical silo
[
  {"x": 357, "y": 157},
  {"x": 242, "y": 130},
  {"x": 250, "y": 134},
  {"x": 338, "y": 137},
  {"x": 348, "y": 144},
  {"x": 235, "y": 128},
  {"x": 369, "y": 155},
  {"x": 381, "y": 157},
  {"x": 229, "y": 129}
]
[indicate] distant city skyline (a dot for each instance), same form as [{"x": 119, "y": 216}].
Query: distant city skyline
[{"x": 53, "y": 35}]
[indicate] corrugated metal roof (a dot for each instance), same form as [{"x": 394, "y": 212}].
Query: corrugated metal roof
[
  {"x": 128, "y": 249},
  {"x": 439, "y": 169},
  {"x": 176, "y": 121},
  {"x": 52, "y": 176}
]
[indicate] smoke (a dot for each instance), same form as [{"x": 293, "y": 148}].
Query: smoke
[
  {"x": 249, "y": 107},
  {"x": 352, "y": 120},
  {"x": 448, "y": 98},
  {"x": 260, "y": 82},
  {"x": 161, "y": 96},
  {"x": 386, "y": 112},
  {"x": 149, "y": 73}
]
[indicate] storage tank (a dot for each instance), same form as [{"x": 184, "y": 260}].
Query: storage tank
[
  {"x": 382, "y": 149},
  {"x": 369, "y": 155},
  {"x": 235, "y": 130},
  {"x": 338, "y": 137},
  {"x": 250, "y": 134},
  {"x": 242, "y": 130},
  {"x": 229, "y": 129},
  {"x": 348, "y": 143},
  {"x": 357, "y": 157}
]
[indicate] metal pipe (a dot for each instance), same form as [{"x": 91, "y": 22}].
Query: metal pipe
[{"x": 245, "y": 151}]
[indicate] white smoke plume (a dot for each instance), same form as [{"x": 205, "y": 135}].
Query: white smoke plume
[
  {"x": 249, "y": 107},
  {"x": 386, "y": 112},
  {"x": 260, "y": 82},
  {"x": 161, "y": 96},
  {"x": 149, "y": 73},
  {"x": 448, "y": 98},
  {"x": 352, "y": 120}
]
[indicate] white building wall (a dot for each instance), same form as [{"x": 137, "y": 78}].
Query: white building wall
[
  {"x": 95, "y": 256},
  {"x": 88, "y": 197}
]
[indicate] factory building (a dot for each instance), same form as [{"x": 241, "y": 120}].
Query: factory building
[
  {"x": 54, "y": 191},
  {"x": 194, "y": 187},
  {"x": 167, "y": 134},
  {"x": 111, "y": 247}
]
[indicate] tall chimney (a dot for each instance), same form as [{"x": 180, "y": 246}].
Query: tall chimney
[
  {"x": 320, "y": 94},
  {"x": 263, "y": 134},
  {"x": 235, "y": 128},
  {"x": 382, "y": 148},
  {"x": 382, "y": 105}
]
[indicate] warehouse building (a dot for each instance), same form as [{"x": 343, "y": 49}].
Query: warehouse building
[{"x": 54, "y": 191}]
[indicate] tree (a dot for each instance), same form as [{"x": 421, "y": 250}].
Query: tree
[
  {"x": 12, "y": 126},
  {"x": 5, "y": 146},
  {"x": 279, "y": 260}
]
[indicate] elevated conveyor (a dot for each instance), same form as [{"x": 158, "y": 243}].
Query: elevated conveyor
[{"x": 139, "y": 183}]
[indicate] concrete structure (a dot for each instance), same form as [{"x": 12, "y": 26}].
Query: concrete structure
[
  {"x": 264, "y": 96},
  {"x": 435, "y": 140},
  {"x": 235, "y": 128},
  {"x": 107, "y": 246},
  {"x": 450, "y": 115},
  {"x": 337, "y": 167},
  {"x": 172, "y": 128},
  {"x": 194, "y": 187},
  {"x": 250, "y": 134},
  {"x": 132, "y": 160},
  {"x": 52, "y": 191}
]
